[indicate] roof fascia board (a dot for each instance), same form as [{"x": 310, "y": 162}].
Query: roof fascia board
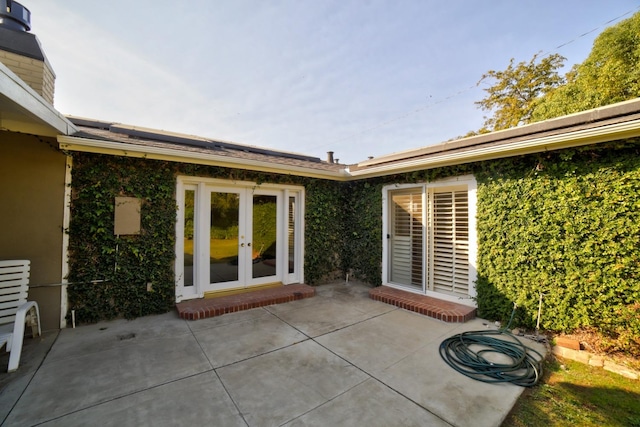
[
  {"x": 602, "y": 134},
  {"x": 558, "y": 124},
  {"x": 38, "y": 112},
  {"x": 71, "y": 143}
]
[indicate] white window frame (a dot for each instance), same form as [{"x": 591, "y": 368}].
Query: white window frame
[{"x": 427, "y": 190}]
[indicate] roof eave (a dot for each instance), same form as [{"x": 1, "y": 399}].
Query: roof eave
[
  {"x": 25, "y": 111},
  {"x": 612, "y": 132},
  {"x": 71, "y": 143}
]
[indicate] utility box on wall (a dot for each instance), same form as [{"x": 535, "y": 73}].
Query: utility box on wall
[{"x": 127, "y": 216}]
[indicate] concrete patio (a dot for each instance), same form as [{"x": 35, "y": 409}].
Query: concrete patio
[{"x": 339, "y": 358}]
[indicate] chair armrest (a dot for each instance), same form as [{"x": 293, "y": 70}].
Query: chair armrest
[{"x": 22, "y": 316}]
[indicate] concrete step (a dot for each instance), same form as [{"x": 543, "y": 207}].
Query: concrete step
[{"x": 446, "y": 311}]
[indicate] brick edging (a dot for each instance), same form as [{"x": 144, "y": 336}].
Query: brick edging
[
  {"x": 446, "y": 311},
  {"x": 204, "y": 308}
]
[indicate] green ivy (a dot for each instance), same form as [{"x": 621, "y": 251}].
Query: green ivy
[
  {"x": 323, "y": 231},
  {"x": 565, "y": 225},
  {"x": 112, "y": 274},
  {"x": 132, "y": 276}
]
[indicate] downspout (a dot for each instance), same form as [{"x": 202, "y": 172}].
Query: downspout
[{"x": 66, "y": 215}]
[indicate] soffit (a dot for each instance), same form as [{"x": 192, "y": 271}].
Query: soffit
[{"x": 23, "y": 110}]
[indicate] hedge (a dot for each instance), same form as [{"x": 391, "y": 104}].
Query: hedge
[{"x": 565, "y": 225}]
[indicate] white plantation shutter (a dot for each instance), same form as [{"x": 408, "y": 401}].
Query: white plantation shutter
[
  {"x": 433, "y": 256},
  {"x": 450, "y": 243},
  {"x": 406, "y": 238}
]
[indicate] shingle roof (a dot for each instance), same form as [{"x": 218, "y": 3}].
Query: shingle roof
[
  {"x": 612, "y": 122},
  {"x": 143, "y": 137}
]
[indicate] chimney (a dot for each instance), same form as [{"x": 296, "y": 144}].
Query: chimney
[
  {"x": 330, "y": 156},
  {"x": 20, "y": 51}
]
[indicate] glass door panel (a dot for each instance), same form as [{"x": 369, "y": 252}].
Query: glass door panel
[
  {"x": 265, "y": 231},
  {"x": 223, "y": 237},
  {"x": 189, "y": 243},
  {"x": 406, "y": 239},
  {"x": 291, "y": 235}
]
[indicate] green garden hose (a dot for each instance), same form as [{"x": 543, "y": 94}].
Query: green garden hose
[{"x": 479, "y": 355}]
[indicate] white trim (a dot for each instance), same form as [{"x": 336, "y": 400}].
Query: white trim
[
  {"x": 496, "y": 145},
  {"x": 299, "y": 267},
  {"x": 66, "y": 217},
  {"x": 27, "y": 111}
]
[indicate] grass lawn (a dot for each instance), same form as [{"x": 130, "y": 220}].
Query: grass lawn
[
  {"x": 575, "y": 394},
  {"x": 221, "y": 249}
]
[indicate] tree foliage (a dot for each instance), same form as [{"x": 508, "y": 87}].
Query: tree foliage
[
  {"x": 532, "y": 91},
  {"x": 610, "y": 74},
  {"x": 513, "y": 95}
]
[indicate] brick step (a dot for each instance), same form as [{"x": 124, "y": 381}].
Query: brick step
[
  {"x": 433, "y": 307},
  {"x": 209, "y": 307}
]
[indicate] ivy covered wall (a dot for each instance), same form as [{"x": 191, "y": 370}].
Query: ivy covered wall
[
  {"x": 133, "y": 275},
  {"x": 565, "y": 224}
]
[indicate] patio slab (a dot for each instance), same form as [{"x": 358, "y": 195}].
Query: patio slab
[
  {"x": 370, "y": 404},
  {"x": 234, "y": 342},
  {"x": 277, "y": 387},
  {"x": 198, "y": 400},
  {"x": 350, "y": 361}
]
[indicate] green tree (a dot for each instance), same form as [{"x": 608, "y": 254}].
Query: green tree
[
  {"x": 610, "y": 74},
  {"x": 515, "y": 91}
]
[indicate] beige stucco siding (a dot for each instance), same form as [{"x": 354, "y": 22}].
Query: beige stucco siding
[{"x": 32, "y": 188}]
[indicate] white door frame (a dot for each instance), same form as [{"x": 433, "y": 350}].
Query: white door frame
[
  {"x": 202, "y": 188},
  {"x": 470, "y": 183}
]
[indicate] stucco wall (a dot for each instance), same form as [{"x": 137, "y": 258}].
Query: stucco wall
[{"x": 31, "y": 213}]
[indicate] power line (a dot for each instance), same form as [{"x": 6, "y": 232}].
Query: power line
[{"x": 460, "y": 92}]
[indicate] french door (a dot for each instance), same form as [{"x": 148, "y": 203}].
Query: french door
[{"x": 236, "y": 236}]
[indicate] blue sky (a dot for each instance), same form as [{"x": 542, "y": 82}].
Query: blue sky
[{"x": 360, "y": 78}]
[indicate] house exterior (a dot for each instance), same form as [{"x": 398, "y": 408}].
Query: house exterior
[
  {"x": 33, "y": 171},
  {"x": 123, "y": 220}
]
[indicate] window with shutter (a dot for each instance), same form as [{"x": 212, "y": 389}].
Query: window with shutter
[
  {"x": 406, "y": 238},
  {"x": 430, "y": 237},
  {"x": 450, "y": 243}
]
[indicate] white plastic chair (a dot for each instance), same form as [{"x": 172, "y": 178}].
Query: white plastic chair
[{"x": 15, "y": 310}]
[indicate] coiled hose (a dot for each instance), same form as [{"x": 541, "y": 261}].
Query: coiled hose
[{"x": 476, "y": 354}]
